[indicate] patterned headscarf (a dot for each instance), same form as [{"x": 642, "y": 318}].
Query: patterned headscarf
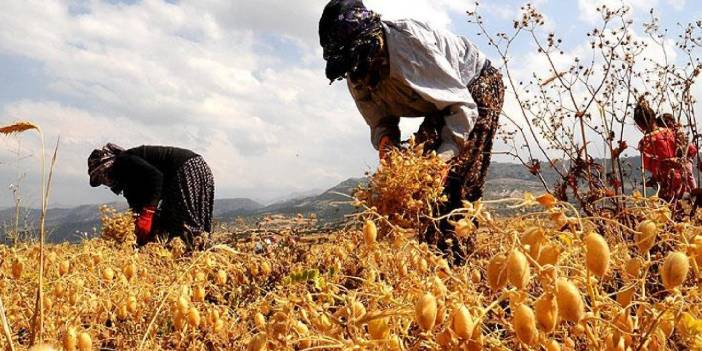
[
  {"x": 350, "y": 36},
  {"x": 644, "y": 116},
  {"x": 100, "y": 165}
]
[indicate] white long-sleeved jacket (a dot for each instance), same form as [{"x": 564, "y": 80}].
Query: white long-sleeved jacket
[{"x": 430, "y": 70}]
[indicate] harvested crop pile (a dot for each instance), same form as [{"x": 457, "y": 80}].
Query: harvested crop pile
[
  {"x": 117, "y": 227},
  {"x": 545, "y": 279},
  {"x": 407, "y": 187}
]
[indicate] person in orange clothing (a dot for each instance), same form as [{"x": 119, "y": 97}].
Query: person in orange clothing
[
  {"x": 666, "y": 155},
  {"x": 685, "y": 151}
]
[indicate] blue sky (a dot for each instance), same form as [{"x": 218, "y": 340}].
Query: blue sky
[{"x": 240, "y": 82}]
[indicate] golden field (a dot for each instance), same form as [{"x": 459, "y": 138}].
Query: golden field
[{"x": 546, "y": 278}]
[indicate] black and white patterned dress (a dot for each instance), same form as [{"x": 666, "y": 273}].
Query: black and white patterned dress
[
  {"x": 187, "y": 202},
  {"x": 466, "y": 179},
  {"x": 177, "y": 181}
]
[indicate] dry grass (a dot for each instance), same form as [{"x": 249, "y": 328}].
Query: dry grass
[
  {"x": 353, "y": 293},
  {"x": 407, "y": 188},
  {"x": 117, "y": 226},
  {"x": 18, "y": 127}
]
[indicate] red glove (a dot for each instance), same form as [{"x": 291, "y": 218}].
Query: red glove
[
  {"x": 384, "y": 146},
  {"x": 144, "y": 223}
]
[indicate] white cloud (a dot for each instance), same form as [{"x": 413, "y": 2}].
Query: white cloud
[
  {"x": 434, "y": 12},
  {"x": 298, "y": 20},
  {"x": 208, "y": 75},
  {"x": 158, "y": 73}
]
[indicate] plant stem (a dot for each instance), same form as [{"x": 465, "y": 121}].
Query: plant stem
[{"x": 6, "y": 328}]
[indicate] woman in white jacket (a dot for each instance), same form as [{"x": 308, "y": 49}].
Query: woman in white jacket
[{"x": 406, "y": 68}]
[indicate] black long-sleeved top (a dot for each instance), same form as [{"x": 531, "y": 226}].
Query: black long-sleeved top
[{"x": 140, "y": 173}]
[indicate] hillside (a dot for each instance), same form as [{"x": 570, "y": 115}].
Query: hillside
[
  {"x": 330, "y": 206},
  {"x": 497, "y": 170},
  {"x": 224, "y": 207},
  {"x": 65, "y": 224}
]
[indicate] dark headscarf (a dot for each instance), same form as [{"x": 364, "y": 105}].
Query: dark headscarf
[
  {"x": 100, "y": 165},
  {"x": 644, "y": 116},
  {"x": 351, "y": 37}
]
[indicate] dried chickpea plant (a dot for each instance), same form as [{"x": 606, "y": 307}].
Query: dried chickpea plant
[
  {"x": 407, "y": 188},
  {"x": 117, "y": 226},
  {"x": 547, "y": 278}
]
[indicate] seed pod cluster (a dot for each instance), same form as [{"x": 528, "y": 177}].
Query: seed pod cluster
[
  {"x": 425, "y": 311},
  {"x": 497, "y": 272},
  {"x": 570, "y": 302},
  {"x": 518, "y": 271},
  {"x": 546, "y": 310},
  {"x": 462, "y": 323},
  {"x": 524, "y": 324},
  {"x": 675, "y": 269},
  {"x": 370, "y": 232},
  {"x": 597, "y": 254},
  {"x": 647, "y": 231}
]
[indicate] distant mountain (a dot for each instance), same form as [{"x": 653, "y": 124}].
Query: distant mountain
[
  {"x": 70, "y": 224},
  {"x": 63, "y": 224},
  {"x": 510, "y": 187},
  {"x": 294, "y": 196},
  {"x": 497, "y": 170},
  {"x": 332, "y": 205},
  {"x": 329, "y": 206},
  {"x": 503, "y": 180},
  {"x": 226, "y": 207}
]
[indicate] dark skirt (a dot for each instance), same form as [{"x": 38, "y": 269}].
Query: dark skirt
[
  {"x": 466, "y": 179},
  {"x": 187, "y": 202}
]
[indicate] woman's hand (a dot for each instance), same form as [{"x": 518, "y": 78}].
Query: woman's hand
[
  {"x": 384, "y": 146},
  {"x": 144, "y": 223}
]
